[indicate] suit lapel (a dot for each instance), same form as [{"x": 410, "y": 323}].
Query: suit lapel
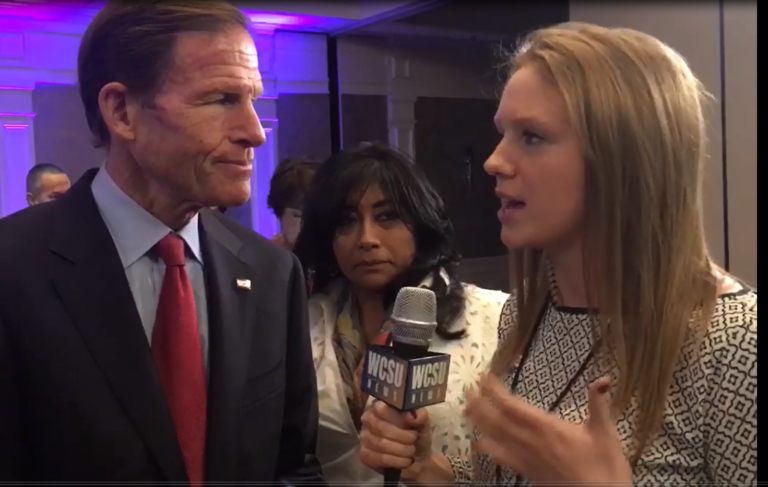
[
  {"x": 231, "y": 312},
  {"x": 91, "y": 282}
]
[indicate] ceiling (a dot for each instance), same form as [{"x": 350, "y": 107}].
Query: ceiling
[
  {"x": 503, "y": 18},
  {"x": 303, "y": 15},
  {"x": 456, "y": 19}
]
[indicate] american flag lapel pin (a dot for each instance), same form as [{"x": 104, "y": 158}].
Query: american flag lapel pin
[{"x": 243, "y": 284}]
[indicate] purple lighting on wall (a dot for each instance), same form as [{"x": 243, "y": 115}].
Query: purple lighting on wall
[
  {"x": 72, "y": 10},
  {"x": 17, "y": 160},
  {"x": 15, "y": 17},
  {"x": 276, "y": 19},
  {"x": 17, "y": 114},
  {"x": 286, "y": 21}
]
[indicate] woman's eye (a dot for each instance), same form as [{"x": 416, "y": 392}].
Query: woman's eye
[
  {"x": 531, "y": 138},
  {"x": 346, "y": 220},
  {"x": 388, "y": 216}
]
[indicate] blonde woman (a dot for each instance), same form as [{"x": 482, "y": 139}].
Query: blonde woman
[{"x": 631, "y": 357}]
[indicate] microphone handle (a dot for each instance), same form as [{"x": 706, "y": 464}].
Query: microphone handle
[{"x": 391, "y": 477}]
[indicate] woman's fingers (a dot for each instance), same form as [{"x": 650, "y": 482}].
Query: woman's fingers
[
  {"x": 489, "y": 420},
  {"x": 382, "y": 421},
  {"x": 380, "y": 461},
  {"x": 417, "y": 421},
  {"x": 513, "y": 408},
  {"x": 500, "y": 455},
  {"x": 389, "y": 438},
  {"x": 384, "y": 445},
  {"x": 511, "y": 428}
]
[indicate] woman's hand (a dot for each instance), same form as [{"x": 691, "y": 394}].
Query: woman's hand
[
  {"x": 391, "y": 439},
  {"x": 544, "y": 448}
]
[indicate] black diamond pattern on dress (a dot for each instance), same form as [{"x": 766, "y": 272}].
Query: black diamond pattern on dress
[{"x": 709, "y": 433}]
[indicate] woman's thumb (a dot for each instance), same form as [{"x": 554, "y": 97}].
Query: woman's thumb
[
  {"x": 417, "y": 420},
  {"x": 599, "y": 404}
]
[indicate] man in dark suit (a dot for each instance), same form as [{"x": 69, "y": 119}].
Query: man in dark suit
[{"x": 143, "y": 337}]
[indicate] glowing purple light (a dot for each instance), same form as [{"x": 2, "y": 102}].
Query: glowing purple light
[
  {"x": 276, "y": 19},
  {"x": 15, "y": 126},
  {"x": 63, "y": 12},
  {"x": 17, "y": 114},
  {"x": 286, "y": 21}
]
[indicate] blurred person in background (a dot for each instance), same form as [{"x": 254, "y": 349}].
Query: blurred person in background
[
  {"x": 46, "y": 182},
  {"x": 372, "y": 224},
  {"x": 287, "y": 190},
  {"x": 626, "y": 355}
]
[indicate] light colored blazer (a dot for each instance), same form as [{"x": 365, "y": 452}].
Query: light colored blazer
[{"x": 338, "y": 444}]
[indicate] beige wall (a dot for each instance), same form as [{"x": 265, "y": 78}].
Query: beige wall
[
  {"x": 740, "y": 41},
  {"x": 694, "y": 30}
]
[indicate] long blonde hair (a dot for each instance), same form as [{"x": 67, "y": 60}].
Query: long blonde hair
[{"x": 636, "y": 108}]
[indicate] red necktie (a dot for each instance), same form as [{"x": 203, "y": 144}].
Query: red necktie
[{"x": 179, "y": 356}]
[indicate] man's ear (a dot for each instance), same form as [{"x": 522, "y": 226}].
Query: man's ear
[
  {"x": 118, "y": 111},
  {"x": 31, "y": 200}
]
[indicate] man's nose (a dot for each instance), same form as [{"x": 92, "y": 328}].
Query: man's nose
[{"x": 251, "y": 131}]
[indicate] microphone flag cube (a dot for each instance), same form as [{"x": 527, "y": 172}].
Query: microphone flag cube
[{"x": 405, "y": 384}]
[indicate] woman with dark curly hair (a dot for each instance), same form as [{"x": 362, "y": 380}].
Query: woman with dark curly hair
[
  {"x": 287, "y": 188},
  {"x": 372, "y": 224}
]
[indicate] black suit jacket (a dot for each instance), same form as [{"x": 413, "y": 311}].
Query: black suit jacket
[{"x": 79, "y": 396}]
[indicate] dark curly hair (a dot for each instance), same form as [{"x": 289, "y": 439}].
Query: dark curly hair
[
  {"x": 289, "y": 184},
  {"x": 417, "y": 204}
]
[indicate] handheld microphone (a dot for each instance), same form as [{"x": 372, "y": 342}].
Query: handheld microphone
[{"x": 407, "y": 376}]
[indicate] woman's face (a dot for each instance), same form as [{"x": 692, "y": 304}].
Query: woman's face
[
  {"x": 372, "y": 245},
  {"x": 538, "y": 166},
  {"x": 290, "y": 225}
]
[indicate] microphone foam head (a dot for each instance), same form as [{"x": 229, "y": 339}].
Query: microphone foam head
[{"x": 414, "y": 316}]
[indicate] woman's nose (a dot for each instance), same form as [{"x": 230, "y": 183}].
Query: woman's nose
[
  {"x": 368, "y": 235},
  {"x": 498, "y": 165}
]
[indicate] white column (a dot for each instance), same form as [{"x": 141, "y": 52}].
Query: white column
[
  {"x": 265, "y": 158},
  {"x": 17, "y": 147},
  {"x": 31, "y": 51},
  {"x": 289, "y": 62},
  {"x": 402, "y": 123},
  {"x": 401, "y": 102},
  {"x": 263, "y": 220}
]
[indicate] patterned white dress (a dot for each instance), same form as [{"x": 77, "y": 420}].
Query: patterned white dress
[
  {"x": 338, "y": 441},
  {"x": 709, "y": 434}
]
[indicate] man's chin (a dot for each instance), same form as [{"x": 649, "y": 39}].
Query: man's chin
[{"x": 232, "y": 197}]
